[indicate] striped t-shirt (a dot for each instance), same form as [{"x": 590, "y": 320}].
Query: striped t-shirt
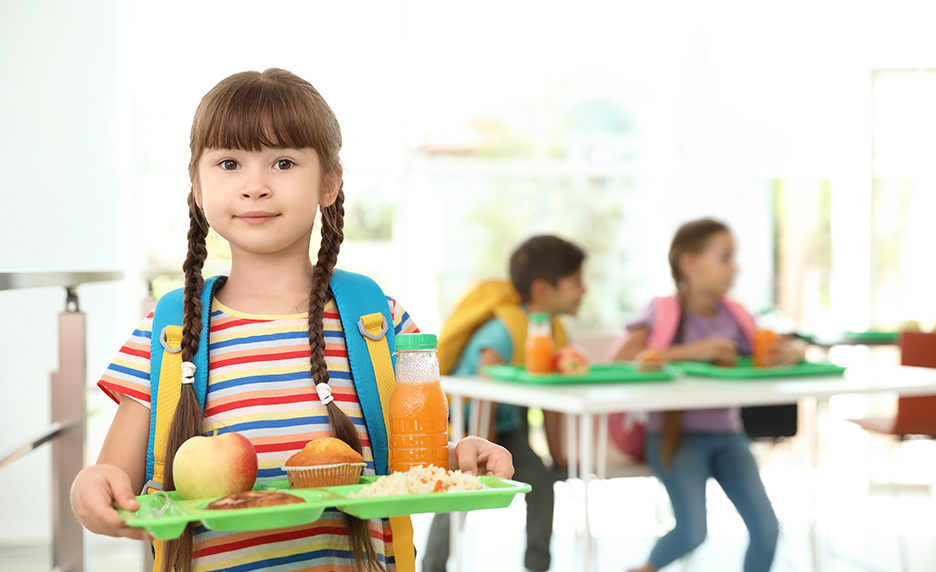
[{"x": 259, "y": 385}]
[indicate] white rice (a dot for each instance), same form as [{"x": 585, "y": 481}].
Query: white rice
[{"x": 420, "y": 480}]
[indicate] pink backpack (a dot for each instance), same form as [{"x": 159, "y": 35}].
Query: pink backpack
[{"x": 628, "y": 431}]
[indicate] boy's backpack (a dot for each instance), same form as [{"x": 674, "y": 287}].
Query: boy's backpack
[
  {"x": 369, "y": 336},
  {"x": 489, "y": 299}
]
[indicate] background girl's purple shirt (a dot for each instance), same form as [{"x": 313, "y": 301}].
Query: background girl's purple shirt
[{"x": 695, "y": 328}]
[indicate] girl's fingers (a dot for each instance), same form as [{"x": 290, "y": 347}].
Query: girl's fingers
[
  {"x": 477, "y": 456},
  {"x": 109, "y": 520},
  {"x": 501, "y": 466},
  {"x": 122, "y": 493},
  {"x": 135, "y": 534},
  {"x": 467, "y": 460},
  {"x": 102, "y": 517}
]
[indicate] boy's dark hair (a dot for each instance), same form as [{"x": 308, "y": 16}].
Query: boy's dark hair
[{"x": 548, "y": 257}]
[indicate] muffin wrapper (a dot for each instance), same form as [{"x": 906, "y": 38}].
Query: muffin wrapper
[{"x": 324, "y": 475}]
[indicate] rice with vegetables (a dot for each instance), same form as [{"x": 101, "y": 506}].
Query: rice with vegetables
[{"x": 420, "y": 480}]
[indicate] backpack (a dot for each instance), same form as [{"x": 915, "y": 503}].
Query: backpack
[
  {"x": 489, "y": 299},
  {"x": 628, "y": 430},
  {"x": 363, "y": 308}
]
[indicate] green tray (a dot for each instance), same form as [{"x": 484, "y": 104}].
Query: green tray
[
  {"x": 746, "y": 370},
  {"x": 499, "y": 495},
  {"x": 620, "y": 372},
  {"x": 166, "y": 521},
  {"x": 872, "y": 337}
]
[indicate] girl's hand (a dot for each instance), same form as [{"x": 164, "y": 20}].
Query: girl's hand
[
  {"x": 477, "y": 456},
  {"x": 92, "y": 493},
  {"x": 712, "y": 349},
  {"x": 790, "y": 352}
]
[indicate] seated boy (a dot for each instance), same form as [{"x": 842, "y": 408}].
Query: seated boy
[{"x": 546, "y": 276}]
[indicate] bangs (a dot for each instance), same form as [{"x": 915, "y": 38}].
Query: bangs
[{"x": 258, "y": 114}]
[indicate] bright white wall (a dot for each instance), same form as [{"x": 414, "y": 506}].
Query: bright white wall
[{"x": 59, "y": 203}]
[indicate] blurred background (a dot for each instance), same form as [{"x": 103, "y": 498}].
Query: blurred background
[{"x": 807, "y": 126}]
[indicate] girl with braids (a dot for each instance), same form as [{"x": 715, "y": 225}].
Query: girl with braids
[
  {"x": 685, "y": 448},
  {"x": 264, "y": 161}
]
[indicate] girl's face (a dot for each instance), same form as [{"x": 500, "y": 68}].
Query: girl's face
[
  {"x": 263, "y": 202},
  {"x": 712, "y": 270}
]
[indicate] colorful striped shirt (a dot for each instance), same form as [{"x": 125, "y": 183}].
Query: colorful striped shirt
[{"x": 259, "y": 385}]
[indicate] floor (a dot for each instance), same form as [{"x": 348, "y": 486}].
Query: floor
[
  {"x": 872, "y": 499},
  {"x": 628, "y": 514}
]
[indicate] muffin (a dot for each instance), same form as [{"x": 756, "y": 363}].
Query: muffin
[{"x": 327, "y": 462}]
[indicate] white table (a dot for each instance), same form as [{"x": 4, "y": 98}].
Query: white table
[{"x": 584, "y": 402}]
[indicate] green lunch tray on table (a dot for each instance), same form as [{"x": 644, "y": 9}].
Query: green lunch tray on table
[
  {"x": 872, "y": 337},
  {"x": 746, "y": 370},
  {"x": 620, "y": 372},
  {"x": 164, "y": 516}
]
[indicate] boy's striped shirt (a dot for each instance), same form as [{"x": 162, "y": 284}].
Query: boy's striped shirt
[{"x": 259, "y": 385}]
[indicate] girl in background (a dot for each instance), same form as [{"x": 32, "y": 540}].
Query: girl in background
[
  {"x": 685, "y": 448},
  {"x": 264, "y": 161}
]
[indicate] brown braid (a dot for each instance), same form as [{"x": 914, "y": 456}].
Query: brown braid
[
  {"x": 273, "y": 109},
  {"x": 188, "y": 416},
  {"x": 691, "y": 237},
  {"x": 365, "y": 557}
]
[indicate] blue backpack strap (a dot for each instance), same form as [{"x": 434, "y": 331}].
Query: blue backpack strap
[
  {"x": 357, "y": 295},
  {"x": 169, "y": 312}
]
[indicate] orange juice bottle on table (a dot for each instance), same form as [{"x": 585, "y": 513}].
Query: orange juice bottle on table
[
  {"x": 540, "y": 346},
  {"x": 418, "y": 407},
  {"x": 765, "y": 347}
]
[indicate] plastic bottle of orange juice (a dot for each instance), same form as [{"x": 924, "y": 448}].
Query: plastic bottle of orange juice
[
  {"x": 418, "y": 407},
  {"x": 765, "y": 347},
  {"x": 540, "y": 346}
]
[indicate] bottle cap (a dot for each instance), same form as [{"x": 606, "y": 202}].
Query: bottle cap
[
  {"x": 416, "y": 342},
  {"x": 539, "y": 318}
]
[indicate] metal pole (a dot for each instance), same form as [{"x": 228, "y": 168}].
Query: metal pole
[{"x": 68, "y": 409}]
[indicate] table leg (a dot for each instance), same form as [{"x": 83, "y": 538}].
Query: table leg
[
  {"x": 474, "y": 412},
  {"x": 813, "y": 408},
  {"x": 572, "y": 450},
  {"x": 572, "y": 444},
  {"x": 586, "y": 468},
  {"x": 484, "y": 423},
  {"x": 601, "y": 470},
  {"x": 456, "y": 406}
]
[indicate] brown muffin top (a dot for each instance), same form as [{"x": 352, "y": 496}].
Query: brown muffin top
[{"x": 326, "y": 451}]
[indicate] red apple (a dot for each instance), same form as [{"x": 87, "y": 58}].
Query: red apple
[
  {"x": 217, "y": 466},
  {"x": 571, "y": 360}
]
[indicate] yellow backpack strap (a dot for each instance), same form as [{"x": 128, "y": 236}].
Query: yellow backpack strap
[
  {"x": 374, "y": 329},
  {"x": 515, "y": 321},
  {"x": 559, "y": 333},
  {"x": 167, "y": 400}
]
